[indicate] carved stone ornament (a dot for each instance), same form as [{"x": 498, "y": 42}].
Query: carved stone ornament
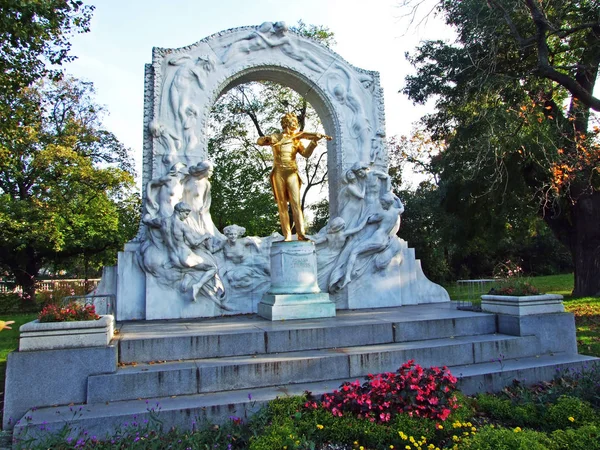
[{"x": 180, "y": 265}]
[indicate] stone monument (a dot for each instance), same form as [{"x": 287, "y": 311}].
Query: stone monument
[{"x": 181, "y": 266}]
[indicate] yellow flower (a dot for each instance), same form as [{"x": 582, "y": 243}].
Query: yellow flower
[
  {"x": 319, "y": 426},
  {"x": 392, "y": 447},
  {"x": 439, "y": 426},
  {"x": 402, "y": 435},
  {"x": 297, "y": 442},
  {"x": 572, "y": 419},
  {"x": 407, "y": 447},
  {"x": 517, "y": 430},
  {"x": 361, "y": 448},
  {"x": 473, "y": 429},
  {"x": 355, "y": 442},
  {"x": 412, "y": 439},
  {"x": 5, "y": 325},
  {"x": 455, "y": 438}
]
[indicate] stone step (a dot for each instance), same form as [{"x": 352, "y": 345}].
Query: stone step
[
  {"x": 251, "y": 371},
  {"x": 190, "y": 411},
  {"x": 248, "y": 335}
]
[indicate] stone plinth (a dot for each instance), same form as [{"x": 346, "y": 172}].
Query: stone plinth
[
  {"x": 59, "y": 335},
  {"x": 522, "y": 305},
  {"x": 294, "y": 292}
]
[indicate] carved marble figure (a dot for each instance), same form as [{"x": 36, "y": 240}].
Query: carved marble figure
[
  {"x": 378, "y": 240},
  {"x": 162, "y": 194},
  {"x": 189, "y": 254},
  {"x": 245, "y": 268},
  {"x": 270, "y": 35},
  {"x": 168, "y": 139},
  {"x": 285, "y": 179},
  {"x": 196, "y": 193},
  {"x": 352, "y": 194},
  {"x": 329, "y": 247},
  {"x": 359, "y": 127},
  {"x": 188, "y": 77}
]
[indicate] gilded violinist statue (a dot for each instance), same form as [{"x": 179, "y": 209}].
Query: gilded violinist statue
[{"x": 285, "y": 178}]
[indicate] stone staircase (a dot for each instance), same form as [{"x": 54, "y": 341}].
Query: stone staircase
[{"x": 189, "y": 372}]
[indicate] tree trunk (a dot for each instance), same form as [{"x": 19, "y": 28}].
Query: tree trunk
[
  {"x": 585, "y": 245},
  {"x": 25, "y": 270}
]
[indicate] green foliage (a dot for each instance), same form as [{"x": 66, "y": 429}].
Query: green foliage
[
  {"x": 33, "y": 35},
  {"x": 241, "y": 190},
  {"x": 490, "y": 438},
  {"x": 509, "y": 413},
  {"x": 514, "y": 119},
  {"x": 64, "y": 182},
  {"x": 569, "y": 412},
  {"x": 582, "y": 438}
]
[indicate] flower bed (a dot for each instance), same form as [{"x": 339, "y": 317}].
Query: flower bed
[{"x": 70, "y": 326}]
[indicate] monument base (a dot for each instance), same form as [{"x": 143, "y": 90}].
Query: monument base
[
  {"x": 296, "y": 306},
  {"x": 294, "y": 292}
]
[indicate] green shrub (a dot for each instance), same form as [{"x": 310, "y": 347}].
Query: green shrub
[
  {"x": 489, "y": 438},
  {"x": 509, "y": 413},
  {"x": 582, "y": 438},
  {"x": 569, "y": 412}
]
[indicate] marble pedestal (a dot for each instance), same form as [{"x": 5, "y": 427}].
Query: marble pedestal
[{"x": 294, "y": 292}]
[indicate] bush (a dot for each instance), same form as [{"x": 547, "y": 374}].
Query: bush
[
  {"x": 508, "y": 412},
  {"x": 582, "y": 438},
  {"x": 491, "y": 438},
  {"x": 69, "y": 313},
  {"x": 569, "y": 412},
  {"x": 412, "y": 390}
]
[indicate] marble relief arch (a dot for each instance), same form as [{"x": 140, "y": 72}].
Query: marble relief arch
[{"x": 201, "y": 271}]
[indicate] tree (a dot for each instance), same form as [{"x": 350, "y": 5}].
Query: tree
[
  {"x": 62, "y": 181},
  {"x": 241, "y": 190},
  {"x": 34, "y": 36},
  {"x": 515, "y": 108}
]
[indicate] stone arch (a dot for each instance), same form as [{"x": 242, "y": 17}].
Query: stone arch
[
  {"x": 314, "y": 95},
  {"x": 183, "y": 84}
]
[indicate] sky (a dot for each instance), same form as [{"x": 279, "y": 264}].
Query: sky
[{"x": 370, "y": 34}]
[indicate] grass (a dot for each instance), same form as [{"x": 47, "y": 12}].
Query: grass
[{"x": 585, "y": 309}]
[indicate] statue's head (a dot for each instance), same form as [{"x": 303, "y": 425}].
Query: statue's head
[
  {"x": 290, "y": 120},
  {"x": 233, "y": 232},
  {"x": 182, "y": 209},
  {"x": 360, "y": 169},
  {"x": 336, "y": 224},
  {"x": 387, "y": 200},
  {"x": 201, "y": 170}
]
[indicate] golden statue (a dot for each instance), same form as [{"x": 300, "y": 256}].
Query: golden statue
[{"x": 285, "y": 179}]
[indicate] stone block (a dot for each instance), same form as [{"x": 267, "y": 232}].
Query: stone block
[
  {"x": 272, "y": 371},
  {"x": 190, "y": 347},
  {"x": 556, "y": 332},
  {"x": 131, "y": 286},
  {"x": 329, "y": 337},
  {"x": 129, "y": 383},
  {"x": 522, "y": 305},
  {"x": 52, "y": 377},
  {"x": 296, "y": 306},
  {"x": 445, "y": 327},
  {"x": 59, "y": 335}
]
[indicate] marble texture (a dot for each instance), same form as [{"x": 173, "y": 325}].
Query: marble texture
[
  {"x": 523, "y": 305},
  {"x": 184, "y": 267},
  {"x": 60, "y": 335}
]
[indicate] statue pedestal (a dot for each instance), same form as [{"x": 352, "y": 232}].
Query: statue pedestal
[{"x": 294, "y": 292}]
